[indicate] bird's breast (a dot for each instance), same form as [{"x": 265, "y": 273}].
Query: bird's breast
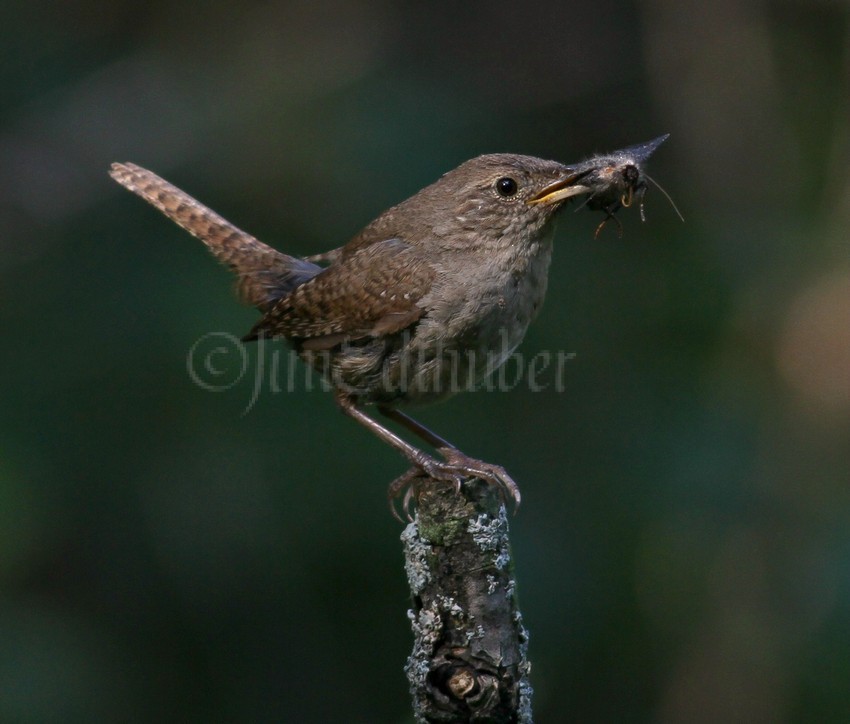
[{"x": 478, "y": 312}]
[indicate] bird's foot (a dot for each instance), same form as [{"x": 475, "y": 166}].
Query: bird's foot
[{"x": 455, "y": 468}]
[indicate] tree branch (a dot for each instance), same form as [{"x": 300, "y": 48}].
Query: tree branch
[{"x": 469, "y": 661}]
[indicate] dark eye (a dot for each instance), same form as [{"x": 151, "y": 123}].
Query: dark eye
[
  {"x": 506, "y": 186},
  {"x": 630, "y": 174}
]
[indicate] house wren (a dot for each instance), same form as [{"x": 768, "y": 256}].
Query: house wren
[{"x": 431, "y": 296}]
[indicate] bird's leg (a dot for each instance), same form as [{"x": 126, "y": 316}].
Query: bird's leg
[
  {"x": 417, "y": 428},
  {"x": 455, "y": 467},
  {"x": 414, "y": 455}
]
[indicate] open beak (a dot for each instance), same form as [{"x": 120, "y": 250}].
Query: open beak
[{"x": 561, "y": 189}]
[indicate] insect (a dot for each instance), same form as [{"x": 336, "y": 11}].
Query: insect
[{"x": 616, "y": 180}]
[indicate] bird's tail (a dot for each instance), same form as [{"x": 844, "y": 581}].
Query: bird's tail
[{"x": 264, "y": 274}]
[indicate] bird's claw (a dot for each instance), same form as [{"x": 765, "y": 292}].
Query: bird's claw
[
  {"x": 454, "y": 468},
  {"x": 403, "y": 482}
]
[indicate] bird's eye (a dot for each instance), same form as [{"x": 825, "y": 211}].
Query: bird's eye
[{"x": 506, "y": 186}]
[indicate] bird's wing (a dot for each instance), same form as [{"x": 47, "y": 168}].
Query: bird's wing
[{"x": 371, "y": 292}]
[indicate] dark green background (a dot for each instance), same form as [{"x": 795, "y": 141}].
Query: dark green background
[{"x": 683, "y": 548}]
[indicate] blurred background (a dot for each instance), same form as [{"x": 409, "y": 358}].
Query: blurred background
[{"x": 683, "y": 548}]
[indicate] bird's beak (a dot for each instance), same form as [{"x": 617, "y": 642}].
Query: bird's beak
[{"x": 561, "y": 189}]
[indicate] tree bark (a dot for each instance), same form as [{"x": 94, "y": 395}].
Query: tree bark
[{"x": 469, "y": 661}]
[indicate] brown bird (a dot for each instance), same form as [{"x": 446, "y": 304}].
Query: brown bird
[{"x": 430, "y": 297}]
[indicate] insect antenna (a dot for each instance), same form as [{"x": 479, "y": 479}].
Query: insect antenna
[{"x": 669, "y": 198}]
